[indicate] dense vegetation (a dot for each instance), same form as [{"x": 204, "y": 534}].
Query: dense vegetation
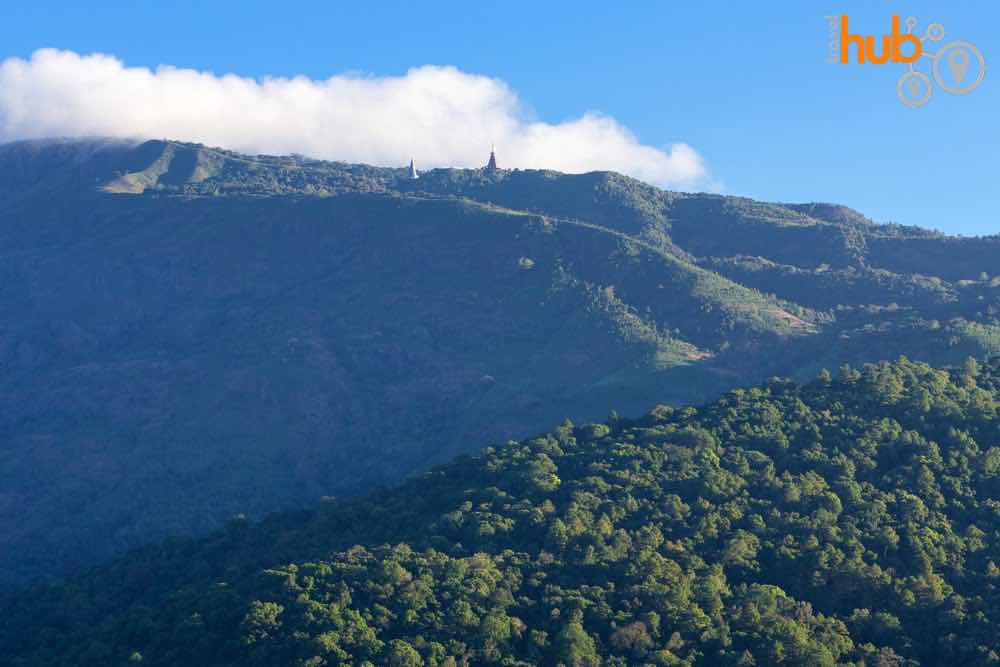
[
  {"x": 191, "y": 334},
  {"x": 852, "y": 520}
]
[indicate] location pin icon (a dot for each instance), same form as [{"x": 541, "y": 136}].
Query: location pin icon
[
  {"x": 914, "y": 86},
  {"x": 958, "y": 63}
]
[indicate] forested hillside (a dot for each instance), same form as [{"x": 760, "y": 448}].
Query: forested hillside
[
  {"x": 853, "y": 520},
  {"x": 192, "y": 334}
]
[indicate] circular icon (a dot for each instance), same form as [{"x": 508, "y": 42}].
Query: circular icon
[
  {"x": 911, "y": 23},
  {"x": 957, "y": 55},
  {"x": 934, "y": 32},
  {"x": 913, "y": 88}
]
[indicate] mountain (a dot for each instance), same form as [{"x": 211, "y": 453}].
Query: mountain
[
  {"x": 191, "y": 334},
  {"x": 852, "y": 520}
]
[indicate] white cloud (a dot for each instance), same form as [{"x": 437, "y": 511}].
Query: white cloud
[{"x": 441, "y": 115}]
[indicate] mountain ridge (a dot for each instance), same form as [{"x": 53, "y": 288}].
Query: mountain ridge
[{"x": 251, "y": 333}]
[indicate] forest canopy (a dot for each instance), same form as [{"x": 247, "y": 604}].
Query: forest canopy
[{"x": 852, "y": 520}]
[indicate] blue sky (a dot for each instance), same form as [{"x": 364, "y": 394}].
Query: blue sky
[{"x": 746, "y": 86}]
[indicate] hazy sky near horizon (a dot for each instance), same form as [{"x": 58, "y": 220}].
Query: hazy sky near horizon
[{"x": 719, "y": 96}]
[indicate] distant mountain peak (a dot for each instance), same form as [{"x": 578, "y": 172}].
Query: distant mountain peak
[{"x": 182, "y": 322}]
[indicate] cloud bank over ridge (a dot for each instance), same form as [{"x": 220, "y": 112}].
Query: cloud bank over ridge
[{"x": 440, "y": 115}]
